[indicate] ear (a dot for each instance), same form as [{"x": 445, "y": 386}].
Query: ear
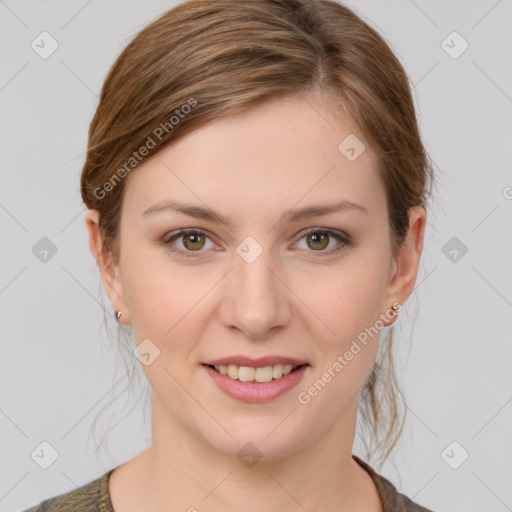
[
  {"x": 405, "y": 266},
  {"x": 110, "y": 272}
]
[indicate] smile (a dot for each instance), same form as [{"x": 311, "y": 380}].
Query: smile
[
  {"x": 254, "y": 374},
  {"x": 256, "y": 384}
]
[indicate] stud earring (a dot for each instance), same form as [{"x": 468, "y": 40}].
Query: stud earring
[
  {"x": 117, "y": 314},
  {"x": 396, "y": 307}
]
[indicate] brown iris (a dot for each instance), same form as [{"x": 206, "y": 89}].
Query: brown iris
[
  {"x": 197, "y": 241},
  {"x": 318, "y": 237}
]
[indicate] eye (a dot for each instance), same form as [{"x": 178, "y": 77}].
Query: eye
[
  {"x": 193, "y": 241},
  {"x": 317, "y": 240}
]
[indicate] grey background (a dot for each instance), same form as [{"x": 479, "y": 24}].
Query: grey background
[{"x": 58, "y": 366}]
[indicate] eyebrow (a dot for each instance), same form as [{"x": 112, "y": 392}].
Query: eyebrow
[{"x": 290, "y": 215}]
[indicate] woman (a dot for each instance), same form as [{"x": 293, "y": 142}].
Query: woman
[{"x": 256, "y": 188}]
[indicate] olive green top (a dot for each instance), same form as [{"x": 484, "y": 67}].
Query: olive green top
[{"x": 95, "y": 497}]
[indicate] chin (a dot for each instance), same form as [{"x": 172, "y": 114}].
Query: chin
[{"x": 258, "y": 439}]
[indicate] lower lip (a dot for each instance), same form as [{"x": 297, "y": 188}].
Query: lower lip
[{"x": 257, "y": 392}]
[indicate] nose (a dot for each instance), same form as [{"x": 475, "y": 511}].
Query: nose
[{"x": 255, "y": 299}]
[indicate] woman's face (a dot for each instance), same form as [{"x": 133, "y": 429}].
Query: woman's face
[{"x": 255, "y": 284}]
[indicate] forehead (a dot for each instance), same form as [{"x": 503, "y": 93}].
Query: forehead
[{"x": 270, "y": 157}]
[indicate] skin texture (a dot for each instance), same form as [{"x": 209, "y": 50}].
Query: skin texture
[{"x": 251, "y": 167}]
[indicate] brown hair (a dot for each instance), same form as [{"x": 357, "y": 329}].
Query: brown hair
[{"x": 202, "y": 60}]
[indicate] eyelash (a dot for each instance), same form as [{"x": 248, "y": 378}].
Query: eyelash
[{"x": 346, "y": 241}]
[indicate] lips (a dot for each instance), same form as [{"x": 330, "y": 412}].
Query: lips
[{"x": 253, "y": 391}]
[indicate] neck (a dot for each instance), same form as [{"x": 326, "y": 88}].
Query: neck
[{"x": 180, "y": 471}]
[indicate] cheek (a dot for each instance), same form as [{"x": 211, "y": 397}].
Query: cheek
[
  {"x": 167, "y": 304},
  {"x": 347, "y": 337},
  {"x": 348, "y": 298}
]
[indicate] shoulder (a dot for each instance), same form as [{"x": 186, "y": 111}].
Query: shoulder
[
  {"x": 392, "y": 500},
  {"x": 91, "y": 497}
]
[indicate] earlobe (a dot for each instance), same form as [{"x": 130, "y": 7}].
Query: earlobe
[
  {"x": 109, "y": 270},
  {"x": 392, "y": 314},
  {"x": 406, "y": 263}
]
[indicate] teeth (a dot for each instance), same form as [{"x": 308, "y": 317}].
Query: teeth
[
  {"x": 250, "y": 374},
  {"x": 264, "y": 374},
  {"x": 277, "y": 371},
  {"x": 232, "y": 371},
  {"x": 246, "y": 374}
]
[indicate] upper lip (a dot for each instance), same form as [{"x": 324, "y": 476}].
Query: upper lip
[{"x": 259, "y": 362}]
